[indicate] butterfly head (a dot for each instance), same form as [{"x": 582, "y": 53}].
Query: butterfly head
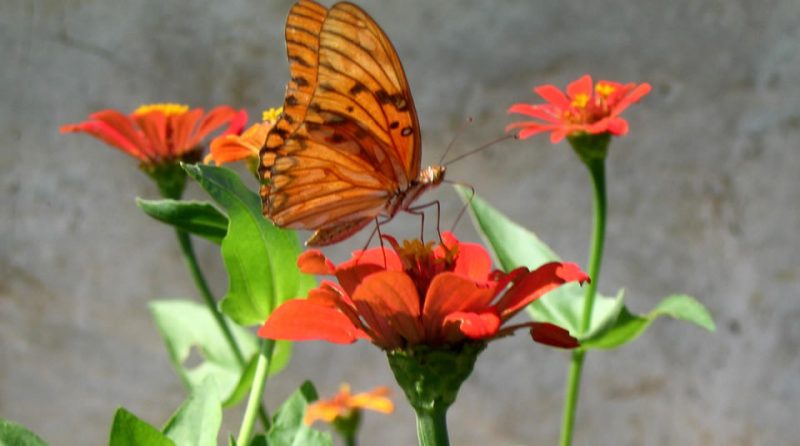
[{"x": 432, "y": 175}]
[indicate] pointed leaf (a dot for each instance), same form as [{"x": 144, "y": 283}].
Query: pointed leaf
[
  {"x": 12, "y": 434},
  {"x": 512, "y": 245},
  {"x": 197, "y": 421},
  {"x": 129, "y": 430},
  {"x": 196, "y": 217},
  {"x": 288, "y": 428},
  {"x": 260, "y": 258},
  {"x": 686, "y": 308},
  {"x": 611, "y": 323},
  {"x": 187, "y": 326},
  {"x": 629, "y": 326}
]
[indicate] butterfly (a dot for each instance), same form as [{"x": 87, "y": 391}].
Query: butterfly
[{"x": 346, "y": 149}]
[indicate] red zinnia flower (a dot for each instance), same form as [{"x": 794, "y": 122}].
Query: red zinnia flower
[
  {"x": 159, "y": 133},
  {"x": 582, "y": 109},
  {"x": 418, "y": 294}
]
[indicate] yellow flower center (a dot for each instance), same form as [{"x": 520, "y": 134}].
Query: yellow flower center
[
  {"x": 580, "y": 100},
  {"x": 416, "y": 250},
  {"x": 271, "y": 115},
  {"x": 167, "y": 108},
  {"x": 604, "y": 89}
]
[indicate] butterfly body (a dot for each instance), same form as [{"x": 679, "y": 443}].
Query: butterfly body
[{"x": 346, "y": 149}]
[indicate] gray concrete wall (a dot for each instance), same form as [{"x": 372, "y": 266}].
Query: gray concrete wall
[{"x": 704, "y": 200}]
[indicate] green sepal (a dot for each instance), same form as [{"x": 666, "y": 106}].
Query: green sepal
[
  {"x": 169, "y": 177},
  {"x": 431, "y": 376},
  {"x": 195, "y": 217},
  {"x": 288, "y": 428},
  {"x": 129, "y": 430},
  {"x": 187, "y": 326},
  {"x": 13, "y": 434},
  {"x": 260, "y": 258},
  {"x": 590, "y": 147}
]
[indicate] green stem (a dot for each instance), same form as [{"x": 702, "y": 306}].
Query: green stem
[
  {"x": 254, "y": 401},
  {"x": 199, "y": 280},
  {"x": 596, "y": 167},
  {"x": 432, "y": 427},
  {"x": 350, "y": 440},
  {"x": 598, "y": 172},
  {"x": 190, "y": 259}
]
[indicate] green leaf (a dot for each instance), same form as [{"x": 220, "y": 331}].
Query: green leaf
[
  {"x": 197, "y": 421},
  {"x": 196, "y": 217},
  {"x": 12, "y": 434},
  {"x": 629, "y": 326},
  {"x": 288, "y": 428},
  {"x": 187, "y": 326},
  {"x": 128, "y": 430},
  {"x": 611, "y": 324},
  {"x": 260, "y": 258},
  {"x": 512, "y": 245}
]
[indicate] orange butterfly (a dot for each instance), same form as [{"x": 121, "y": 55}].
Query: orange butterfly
[{"x": 346, "y": 149}]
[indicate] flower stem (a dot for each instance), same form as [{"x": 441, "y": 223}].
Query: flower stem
[
  {"x": 350, "y": 440},
  {"x": 432, "y": 427},
  {"x": 199, "y": 280},
  {"x": 596, "y": 167},
  {"x": 254, "y": 401},
  {"x": 190, "y": 259}
]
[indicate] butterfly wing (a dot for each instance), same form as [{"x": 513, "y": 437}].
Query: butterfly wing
[{"x": 338, "y": 156}]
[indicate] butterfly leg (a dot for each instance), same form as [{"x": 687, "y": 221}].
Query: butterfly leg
[
  {"x": 380, "y": 238},
  {"x": 418, "y": 210},
  {"x": 469, "y": 201},
  {"x": 377, "y": 230}
]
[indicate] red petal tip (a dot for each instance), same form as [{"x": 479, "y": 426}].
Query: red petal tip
[
  {"x": 571, "y": 272},
  {"x": 314, "y": 262}
]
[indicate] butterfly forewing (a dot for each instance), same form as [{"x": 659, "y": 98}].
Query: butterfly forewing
[
  {"x": 347, "y": 147},
  {"x": 357, "y": 58},
  {"x": 303, "y": 26}
]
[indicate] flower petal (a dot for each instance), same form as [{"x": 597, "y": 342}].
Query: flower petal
[
  {"x": 212, "y": 121},
  {"x": 313, "y": 261},
  {"x": 552, "y": 335},
  {"x": 237, "y": 123},
  {"x": 127, "y": 127},
  {"x": 536, "y": 284},
  {"x": 553, "y": 95},
  {"x": 154, "y": 126},
  {"x": 617, "y": 126},
  {"x": 545, "y": 112},
  {"x": 639, "y": 92},
  {"x": 376, "y": 399},
  {"x": 108, "y": 135},
  {"x": 482, "y": 325},
  {"x": 451, "y": 293},
  {"x": 183, "y": 125},
  {"x": 583, "y": 85},
  {"x": 365, "y": 263},
  {"x": 389, "y": 304},
  {"x": 473, "y": 262},
  {"x": 302, "y": 320}
]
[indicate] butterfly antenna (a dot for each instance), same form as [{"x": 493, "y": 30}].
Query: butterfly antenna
[
  {"x": 469, "y": 201},
  {"x": 455, "y": 138},
  {"x": 485, "y": 146}
]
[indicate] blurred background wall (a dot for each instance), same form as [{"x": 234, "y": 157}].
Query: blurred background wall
[{"x": 704, "y": 199}]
